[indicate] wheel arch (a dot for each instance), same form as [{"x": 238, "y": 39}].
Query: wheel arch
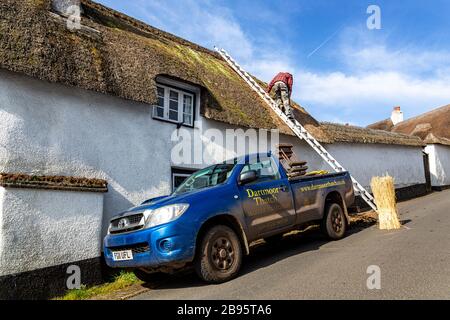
[
  {"x": 336, "y": 197},
  {"x": 227, "y": 220}
]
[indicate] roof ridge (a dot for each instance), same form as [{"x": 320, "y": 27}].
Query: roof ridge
[
  {"x": 374, "y": 131},
  {"x": 422, "y": 115},
  {"x": 378, "y": 122},
  {"x": 145, "y": 27}
]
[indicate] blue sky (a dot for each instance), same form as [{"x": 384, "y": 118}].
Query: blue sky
[{"x": 343, "y": 72}]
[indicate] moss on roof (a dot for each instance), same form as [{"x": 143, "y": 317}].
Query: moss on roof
[{"x": 118, "y": 55}]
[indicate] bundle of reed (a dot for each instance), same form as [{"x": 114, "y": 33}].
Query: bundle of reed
[{"x": 384, "y": 193}]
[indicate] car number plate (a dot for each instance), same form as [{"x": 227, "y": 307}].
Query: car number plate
[{"x": 122, "y": 255}]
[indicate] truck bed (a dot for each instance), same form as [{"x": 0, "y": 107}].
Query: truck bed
[
  {"x": 318, "y": 177},
  {"x": 309, "y": 193}
]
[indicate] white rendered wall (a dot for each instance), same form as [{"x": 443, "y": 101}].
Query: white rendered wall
[
  {"x": 50, "y": 129},
  {"x": 54, "y": 129},
  {"x": 439, "y": 156},
  {"x": 42, "y": 228},
  {"x": 403, "y": 163}
]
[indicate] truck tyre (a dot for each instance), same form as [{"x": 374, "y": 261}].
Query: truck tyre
[
  {"x": 220, "y": 255},
  {"x": 334, "y": 223}
]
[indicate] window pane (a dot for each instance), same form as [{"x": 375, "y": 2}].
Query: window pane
[
  {"x": 173, "y": 105},
  {"x": 160, "y": 92},
  {"x": 187, "y": 119},
  {"x": 161, "y": 102},
  {"x": 178, "y": 180},
  {"x": 159, "y": 112},
  {"x": 207, "y": 177},
  {"x": 173, "y": 115},
  {"x": 173, "y": 95},
  {"x": 266, "y": 170},
  {"x": 187, "y": 104}
]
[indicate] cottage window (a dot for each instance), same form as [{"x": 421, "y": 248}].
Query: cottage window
[
  {"x": 174, "y": 105},
  {"x": 179, "y": 175}
]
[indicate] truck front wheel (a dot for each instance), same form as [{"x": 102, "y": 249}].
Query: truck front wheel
[
  {"x": 220, "y": 255},
  {"x": 334, "y": 223}
]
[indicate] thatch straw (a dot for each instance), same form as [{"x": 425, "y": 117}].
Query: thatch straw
[
  {"x": 353, "y": 134},
  {"x": 384, "y": 194},
  {"x": 125, "y": 58}
]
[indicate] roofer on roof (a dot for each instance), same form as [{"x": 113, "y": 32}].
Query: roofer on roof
[{"x": 282, "y": 83}]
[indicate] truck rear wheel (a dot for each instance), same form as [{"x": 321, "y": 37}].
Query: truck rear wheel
[
  {"x": 220, "y": 255},
  {"x": 334, "y": 223}
]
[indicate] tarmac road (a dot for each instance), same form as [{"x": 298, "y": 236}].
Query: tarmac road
[{"x": 414, "y": 263}]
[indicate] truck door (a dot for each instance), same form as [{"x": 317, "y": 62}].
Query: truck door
[{"x": 267, "y": 202}]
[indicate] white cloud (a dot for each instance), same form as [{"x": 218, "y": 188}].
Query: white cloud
[
  {"x": 198, "y": 21},
  {"x": 406, "y": 60},
  {"x": 356, "y": 95},
  {"x": 377, "y": 77}
]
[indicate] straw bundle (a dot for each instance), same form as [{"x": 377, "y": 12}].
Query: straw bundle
[{"x": 384, "y": 194}]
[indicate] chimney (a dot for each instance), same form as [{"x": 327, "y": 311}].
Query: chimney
[
  {"x": 397, "y": 115},
  {"x": 65, "y": 7}
]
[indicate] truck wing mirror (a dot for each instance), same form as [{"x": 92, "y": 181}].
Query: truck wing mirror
[{"x": 247, "y": 177}]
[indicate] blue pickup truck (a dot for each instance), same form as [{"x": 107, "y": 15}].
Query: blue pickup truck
[{"x": 209, "y": 221}]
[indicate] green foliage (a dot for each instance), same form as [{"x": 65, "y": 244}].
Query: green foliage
[{"x": 123, "y": 280}]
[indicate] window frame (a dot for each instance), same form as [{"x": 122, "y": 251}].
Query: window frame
[
  {"x": 177, "y": 172},
  {"x": 181, "y": 93}
]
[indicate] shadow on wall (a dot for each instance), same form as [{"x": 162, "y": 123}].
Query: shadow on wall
[
  {"x": 113, "y": 203},
  {"x": 119, "y": 199}
]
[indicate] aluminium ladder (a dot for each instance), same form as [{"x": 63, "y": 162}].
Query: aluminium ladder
[{"x": 296, "y": 127}]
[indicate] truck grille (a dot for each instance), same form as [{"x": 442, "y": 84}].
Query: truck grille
[
  {"x": 127, "y": 223},
  {"x": 136, "y": 249}
]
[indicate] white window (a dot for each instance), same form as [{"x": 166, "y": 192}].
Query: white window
[
  {"x": 179, "y": 175},
  {"x": 174, "y": 105}
]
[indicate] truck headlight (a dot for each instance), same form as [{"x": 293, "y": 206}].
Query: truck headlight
[{"x": 155, "y": 217}]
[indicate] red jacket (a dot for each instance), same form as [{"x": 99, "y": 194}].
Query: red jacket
[{"x": 285, "y": 77}]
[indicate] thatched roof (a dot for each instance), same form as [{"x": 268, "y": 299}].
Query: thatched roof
[
  {"x": 123, "y": 59},
  {"x": 353, "y": 134},
  {"x": 385, "y": 125},
  {"x": 431, "y": 127},
  {"x": 118, "y": 55},
  {"x": 20, "y": 180}
]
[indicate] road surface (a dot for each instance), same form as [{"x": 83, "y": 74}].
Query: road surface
[{"x": 414, "y": 263}]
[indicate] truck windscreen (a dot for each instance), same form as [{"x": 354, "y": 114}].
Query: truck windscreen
[{"x": 208, "y": 177}]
